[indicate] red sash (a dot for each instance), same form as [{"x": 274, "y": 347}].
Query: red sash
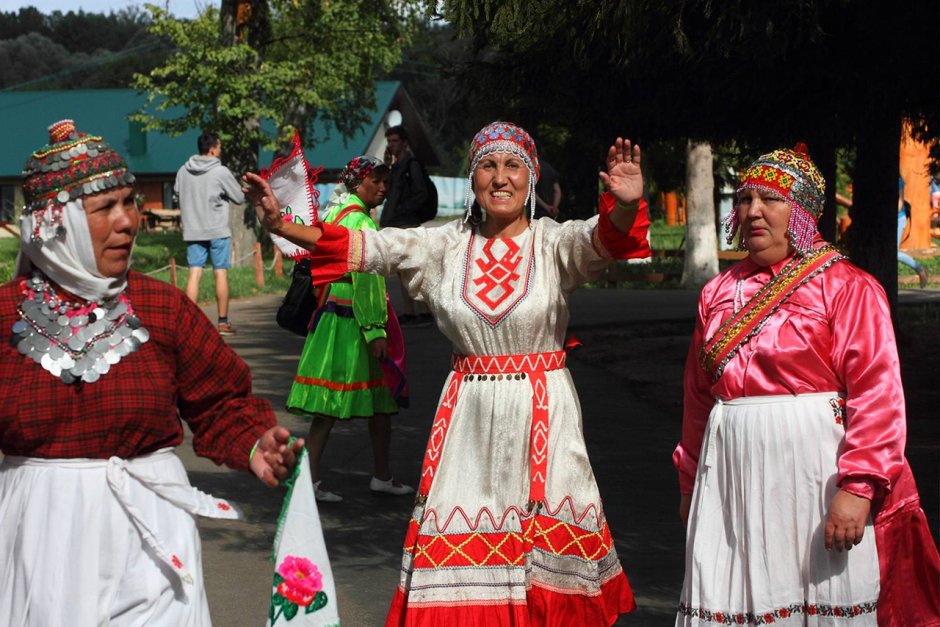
[{"x": 748, "y": 321}]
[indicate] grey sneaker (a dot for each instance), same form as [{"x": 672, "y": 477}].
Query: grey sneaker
[{"x": 325, "y": 496}]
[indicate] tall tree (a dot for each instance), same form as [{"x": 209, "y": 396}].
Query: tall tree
[
  {"x": 758, "y": 74},
  {"x": 258, "y": 69},
  {"x": 701, "y": 241}
]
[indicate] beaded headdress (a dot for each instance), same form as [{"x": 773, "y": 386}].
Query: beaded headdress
[
  {"x": 358, "y": 169},
  {"x": 796, "y": 179},
  {"x": 70, "y": 166},
  {"x": 508, "y": 138}
]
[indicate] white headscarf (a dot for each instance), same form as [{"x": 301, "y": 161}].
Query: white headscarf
[{"x": 68, "y": 260}]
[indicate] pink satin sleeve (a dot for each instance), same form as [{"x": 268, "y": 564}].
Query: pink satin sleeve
[
  {"x": 698, "y": 401},
  {"x": 865, "y": 357}
]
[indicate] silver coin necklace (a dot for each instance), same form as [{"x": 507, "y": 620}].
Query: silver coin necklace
[{"x": 74, "y": 341}]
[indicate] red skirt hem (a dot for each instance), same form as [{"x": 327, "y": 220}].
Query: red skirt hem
[{"x": 542, "y": 608}]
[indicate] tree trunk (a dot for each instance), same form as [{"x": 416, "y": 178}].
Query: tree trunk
[
  {"x": 237, "y": 17},
  {"x": 872, "y": 238},
  {"x": 823, "y": 153},
  {"x": 701, "y": 241}
]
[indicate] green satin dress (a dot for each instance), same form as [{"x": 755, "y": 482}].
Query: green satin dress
[{"x": 337, "y": 375}]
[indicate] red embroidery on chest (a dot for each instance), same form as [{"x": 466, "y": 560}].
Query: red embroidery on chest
[{"x": 499, "y": 274}]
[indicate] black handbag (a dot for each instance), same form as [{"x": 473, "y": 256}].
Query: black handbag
[{"x": 299, "y": 302}]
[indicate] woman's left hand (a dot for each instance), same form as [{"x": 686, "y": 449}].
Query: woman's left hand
[
  {"x": 379, "y": 348},
  {"x": 845, "y": 525},
  {"x": 624, "y": 178},
  {"x": 275, "y": 457}
]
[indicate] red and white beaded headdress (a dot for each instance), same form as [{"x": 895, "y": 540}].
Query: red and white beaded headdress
[
  {"x": 503, "y": 137},
  {"x": 793, "y": 176}
]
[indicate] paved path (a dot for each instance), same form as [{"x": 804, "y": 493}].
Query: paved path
[{"x": 630, "y": 435}]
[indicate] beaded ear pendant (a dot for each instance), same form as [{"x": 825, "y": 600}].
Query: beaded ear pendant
[{"x": 74, "y": 341}]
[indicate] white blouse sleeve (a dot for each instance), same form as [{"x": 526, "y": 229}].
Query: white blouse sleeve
[{"x": 579, "y": 255}]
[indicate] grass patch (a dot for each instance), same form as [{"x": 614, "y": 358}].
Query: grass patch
[
  {"x": 9, "y": 247},
  {"x": 241, "y": 282},
  {"x": 664, "y": 237},
  {"x": 153, "y": 251},
  {"x": 933, "y": 271}
]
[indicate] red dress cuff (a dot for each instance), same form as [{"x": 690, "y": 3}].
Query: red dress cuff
[
  {"x": 631, "y": 245},
  {"x": 330, "y": 257}
]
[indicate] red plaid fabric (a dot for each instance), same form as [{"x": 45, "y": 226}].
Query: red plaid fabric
[{"x": 185, "y": 371}]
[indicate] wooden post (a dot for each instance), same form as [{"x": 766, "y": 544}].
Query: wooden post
[
  {"x": 278, "y": 263},
  {"x": 915, "y": 170},
  {"x": 672, "y": 208},
  {"x": 173, "y": 271},
  {"x": 259, "y": 265}
]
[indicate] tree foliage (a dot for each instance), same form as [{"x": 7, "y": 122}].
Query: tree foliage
[
  {"x": 306, "y": 60},
  {"x": 751, "y": 75},
  {"x": 75, "y": 50}
]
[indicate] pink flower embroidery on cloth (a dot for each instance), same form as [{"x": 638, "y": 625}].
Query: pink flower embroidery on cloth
[
  {"x": 224, "y": 506},
  {"x": 176, "y": 562},
  {"x": 302, "y": 580}
]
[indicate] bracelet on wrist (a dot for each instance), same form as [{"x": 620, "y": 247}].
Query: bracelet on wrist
[
  {"x": 253, "y": 449},
  {"x": 632, "y": 206}
]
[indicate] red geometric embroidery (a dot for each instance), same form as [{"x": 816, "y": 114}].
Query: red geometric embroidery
[
  {"x": 224, "y": 506},
  {"x": 177, "y": 563},
  {"x": 498, "y": 274},
  {"x": 509, "y": 547}
]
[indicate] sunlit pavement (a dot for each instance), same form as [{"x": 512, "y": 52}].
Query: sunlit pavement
[{"x": 630, "y": 435}]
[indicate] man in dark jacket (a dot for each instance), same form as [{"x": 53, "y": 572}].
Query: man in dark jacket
[{"x": 407, "y": 193}]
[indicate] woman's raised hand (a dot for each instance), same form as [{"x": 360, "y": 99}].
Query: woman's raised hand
[
  {"x": 265, "y": 202},
  {"x": 624, "y": 178}
]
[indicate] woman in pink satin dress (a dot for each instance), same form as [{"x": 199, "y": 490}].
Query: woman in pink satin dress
[{"x": 799, "y": 504}]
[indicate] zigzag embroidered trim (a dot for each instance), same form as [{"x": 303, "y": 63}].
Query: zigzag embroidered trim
[{"x": 565, "y": 510}]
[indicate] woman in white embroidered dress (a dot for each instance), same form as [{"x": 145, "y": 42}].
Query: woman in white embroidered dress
[{"x": 508, "y": 528}]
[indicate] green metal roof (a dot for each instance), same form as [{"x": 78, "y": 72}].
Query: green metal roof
[
  {"x": 26, "y": 115},
  {"x": 331, "y": 150}
]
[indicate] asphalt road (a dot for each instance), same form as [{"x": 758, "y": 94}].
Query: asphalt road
[{"x": 630, "y": 433}]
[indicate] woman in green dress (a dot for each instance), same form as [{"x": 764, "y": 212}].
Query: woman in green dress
[{"x": 340, "y": 373}]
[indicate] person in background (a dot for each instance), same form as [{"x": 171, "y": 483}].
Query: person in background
[
  {"x": 407, "y": 193},
  {"x": 547, "y": 193},
  {"x": 204, "y": 188},
  {"x": 100, "y": 367},
  {"x": 340, "y": 376},
  {"x": 904, "y": 218},
  {"x": 800, "y": 507}
]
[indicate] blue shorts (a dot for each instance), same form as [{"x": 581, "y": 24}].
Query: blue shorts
[{"x": 220, "y": 250}]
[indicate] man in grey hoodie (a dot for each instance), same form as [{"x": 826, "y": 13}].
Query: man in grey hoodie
[{"x": 204, "y": 188}]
